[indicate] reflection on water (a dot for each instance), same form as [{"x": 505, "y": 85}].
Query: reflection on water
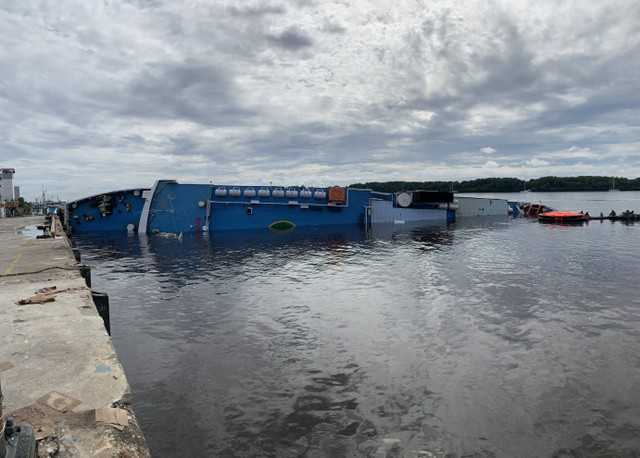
[{"x": 485, "y": 338}]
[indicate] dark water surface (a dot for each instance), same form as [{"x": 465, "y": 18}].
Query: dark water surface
[{"x": 489, "y": 337}]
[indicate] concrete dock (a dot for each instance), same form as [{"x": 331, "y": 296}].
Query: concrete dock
[{"x": 59, "y": 371}]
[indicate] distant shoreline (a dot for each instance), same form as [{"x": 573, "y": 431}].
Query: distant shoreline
[{"x": 485, "y": 185}]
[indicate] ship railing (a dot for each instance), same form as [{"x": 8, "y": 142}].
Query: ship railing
[{"x": 287, "y": 203}]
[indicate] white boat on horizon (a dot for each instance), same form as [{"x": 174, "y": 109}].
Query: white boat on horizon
[{"x": 613, "y": 185}]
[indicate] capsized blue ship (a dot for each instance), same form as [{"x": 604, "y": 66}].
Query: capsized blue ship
[
  {"x": 111, "y": 211},
  {"x": 170, "y": 207}
]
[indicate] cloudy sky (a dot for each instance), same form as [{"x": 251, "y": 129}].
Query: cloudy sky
[{"x": 98, "y": 95}]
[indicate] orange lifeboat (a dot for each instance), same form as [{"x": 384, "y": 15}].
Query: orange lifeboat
[{"x": 561, "y": 217}]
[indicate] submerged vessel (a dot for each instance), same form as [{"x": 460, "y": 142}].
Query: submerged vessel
[
  {"x": 111, "y": 211},
  {"x": 534, "y": 209},
  {"x": 172, "y": 207}
]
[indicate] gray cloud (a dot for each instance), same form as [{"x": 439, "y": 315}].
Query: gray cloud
[
  {"x": 291, "y": 39},
  {"x": 188, "y": 90},
  {"x": 255, "y": 10},
  {"x": 315, "y": 92}
]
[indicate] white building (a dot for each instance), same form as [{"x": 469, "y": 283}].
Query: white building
[{"x": 6, "y": 184}]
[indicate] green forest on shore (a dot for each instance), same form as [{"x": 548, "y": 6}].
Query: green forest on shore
[{"x": 543, "y": 184}]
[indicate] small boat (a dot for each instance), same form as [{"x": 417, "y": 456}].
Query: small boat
[
  {"x": 530, "y": 209},
  {"x": 562, "y": 217}
]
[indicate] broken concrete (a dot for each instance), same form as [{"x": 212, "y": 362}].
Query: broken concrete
[{"x": 54, "y": 348}]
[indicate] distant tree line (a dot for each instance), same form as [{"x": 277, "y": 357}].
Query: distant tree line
[{"x": 543, "y": 184}]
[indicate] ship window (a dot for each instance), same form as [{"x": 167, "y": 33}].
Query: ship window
[{"x": 249, "y": 211}]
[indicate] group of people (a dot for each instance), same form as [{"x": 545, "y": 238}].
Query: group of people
[{"x": 625, "y": 214}]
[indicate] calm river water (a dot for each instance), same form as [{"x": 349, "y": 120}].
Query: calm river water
[{"x": 489, "y": 337}]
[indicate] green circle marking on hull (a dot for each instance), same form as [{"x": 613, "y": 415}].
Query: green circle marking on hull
[{"x": 281, "y": 225}]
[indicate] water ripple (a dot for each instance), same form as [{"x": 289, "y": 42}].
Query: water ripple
[{"x": 487, "y": 338}]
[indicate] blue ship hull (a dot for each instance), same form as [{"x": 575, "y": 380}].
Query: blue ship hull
[
  {"x": 171, "y": 207},
  {"x": 112, "y": 211}
]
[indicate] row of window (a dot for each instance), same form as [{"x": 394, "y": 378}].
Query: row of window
[{"x": 276, "y": 192}]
